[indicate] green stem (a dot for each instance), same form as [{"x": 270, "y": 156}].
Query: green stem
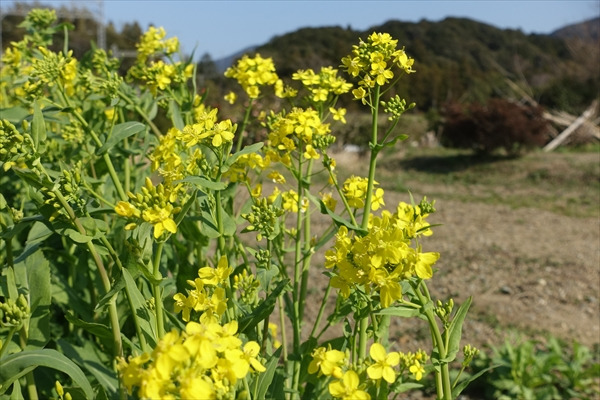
[
  {"x": 321, "y": 310},
  {"x": 128, "y": 294},
  {"x": 438, "y": 341},
  {"x": 307, "y": 253},
  {"x": 373, "y": 159},
  {"x": 113, "y": 314},
  {"x": 105, "y": 156},
  {"x": 7, "y": 340},
  {"x": 242, "y": 127},
  {"x": 156, "y": 291},
  {"x": 344, "y": 200},
  {"x": 142, "y": 114},
  {"x": 362, "y": 338}
]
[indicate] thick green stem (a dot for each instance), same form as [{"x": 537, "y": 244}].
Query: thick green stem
[
  {"x": 438, "y": 342},
  {"x": 373, "y": 159},
  {"x": 307, "y": 253},
  {"x": 157, "y": 293},
  {"x": 362, "y": 338}
]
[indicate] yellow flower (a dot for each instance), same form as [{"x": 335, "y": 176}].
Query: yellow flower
[
  {"x": 329, "y": 362},
  {"x": 424, "y": 263},
  {"x": 339, "y": 114},
  {"x": 347, "y": 388},
  {"x": 160, "y": 217},
  {"x": 384, "y": 363},
  {"x": 417, "y": 370},
  {"x": 311, "y": 153},
  {"x": 377, "y": 200},
  {"x": 218, "y": 275},
  {"x": 125, "y": 209},
  {"x": 231, "y": 97}
]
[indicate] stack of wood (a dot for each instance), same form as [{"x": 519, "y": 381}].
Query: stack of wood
[{"x": 573, "y": 129}]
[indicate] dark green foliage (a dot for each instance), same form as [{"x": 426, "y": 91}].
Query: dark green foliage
[
  {"x": 532, "y": 370},
  {"x": 499, "y": 125}
]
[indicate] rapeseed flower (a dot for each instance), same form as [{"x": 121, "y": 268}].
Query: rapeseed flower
[
  {"x": 348, "y": 388},
  {"x": 383, "y": 363}
]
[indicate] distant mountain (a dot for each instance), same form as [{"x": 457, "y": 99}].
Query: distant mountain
[
  {"x": 458, "y": 59},
  {"x": 587, "y": 31}
]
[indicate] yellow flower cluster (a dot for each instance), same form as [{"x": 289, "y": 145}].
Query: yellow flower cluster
[
  {"x": 322, "y": 85},
  {"x": 208, "y": 295},
  {"x": 347, "y": 384},
  {"x": 151, "y": 69},
  {"x": 206, "y": 359},
  {"x": 254, "y": 72},
  {"x": 298, "y": 126},
  {"x": 207, "y": 130},
  {"x": 372, "y": 62},
  {"x": 153, "y": 42},
  {"x": 154, "y": 205},
  {"x": 378, "y": 261},
  {"x": 355, "y": 191},
  {"x": 16, "y": 149}
]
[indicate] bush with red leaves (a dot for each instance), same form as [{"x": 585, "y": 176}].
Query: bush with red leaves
[{"x": 498, "y": 125}]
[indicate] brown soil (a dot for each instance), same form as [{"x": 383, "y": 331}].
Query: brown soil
[{"x": 529, "y": 271}]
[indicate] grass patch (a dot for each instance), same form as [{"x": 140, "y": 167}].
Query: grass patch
[{"x": 566, "y": 183}]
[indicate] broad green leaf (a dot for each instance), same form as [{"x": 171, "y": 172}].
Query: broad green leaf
[
  {"x": 14, "y": 115},
  {"x": 38, "y": 126},
  {"x": 99, "y": 330},
  {"x": 265, "y": 378},
  {"x": 400, "y": 311},
  {"x": 120, "y": 132},
  {"x": 90, "y": 358},
  {"x": 175, "y": 114},
  {"x": 145, "y": 318},
  {"x": 37, "y": 234},
  {"x": 14, "y": 365},
  {"x": 264, "y": 309},
  {"x": 457, "y": 390},
  {"x": 40, "y": 297},
  {"x": 455, "y": 330},
  {"x": 253, "y": 148}
]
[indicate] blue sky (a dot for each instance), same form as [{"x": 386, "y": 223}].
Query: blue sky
[{"x": 222, "y": 28}]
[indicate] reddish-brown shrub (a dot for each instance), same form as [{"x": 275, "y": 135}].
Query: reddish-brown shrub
[{"x": 497, "y": 125}]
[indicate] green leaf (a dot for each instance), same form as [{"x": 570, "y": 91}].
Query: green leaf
[
  {"x": 455, "y": 330},
  {"x": 265, "y": 379},
  {"x": 99, "y": 330},
  {"x": 339, "y": 221},
  {"x": 145, "y": 318},
  {"x": 40, "y": 297},
  {"x": 16, "y": 365},
  {"x": 120, "y": 132},
  {"x": 38, "y": 126},
  {"x": 253, "y": 148},
  {"x": 204, "y": 183},
  {"x": 463, "y": 384},
  {"x": 14, "y": 115},
  {"x": 264, "y": 309},
  {"x": 90, "y": 358},
  {"x": 400, "y": 311},
  {"x": 175, "y": 115}
]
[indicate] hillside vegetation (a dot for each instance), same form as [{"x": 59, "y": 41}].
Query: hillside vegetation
[{"x": 457, "y": 59}]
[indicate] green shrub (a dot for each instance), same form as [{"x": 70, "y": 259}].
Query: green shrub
[{"x": 541, "y": 371}]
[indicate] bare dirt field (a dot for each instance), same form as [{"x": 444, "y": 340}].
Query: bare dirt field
[{"x": 522, "y": 236}]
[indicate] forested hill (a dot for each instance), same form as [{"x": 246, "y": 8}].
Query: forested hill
[{"x": 461, "y": 59}]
